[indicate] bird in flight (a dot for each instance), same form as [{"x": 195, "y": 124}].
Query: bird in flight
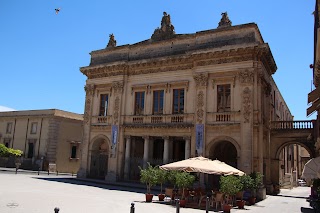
[{"x": 57, "y": 10}]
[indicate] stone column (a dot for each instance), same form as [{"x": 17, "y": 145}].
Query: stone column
[
  {"x": 127, "y": 158},
  {"x": 85, "y": 162},
  {"x": 145, "y": 151},
  {"x": 166, "y": 149},
  {"x": 187, "y": 147}
]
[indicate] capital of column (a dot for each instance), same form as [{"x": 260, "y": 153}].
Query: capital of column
[
  {"x": 165, "y": 137},
  {"x": 187, "y": 137},
  {"x": 127, "y": 137},
  {"x": 146, "y": 137}
]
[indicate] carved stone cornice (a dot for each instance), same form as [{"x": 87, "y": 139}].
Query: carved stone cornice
[
  {"x": 201, "y": 79},
  {"x": 184, "y": 62},
  {"x": 100, "y": 127}
]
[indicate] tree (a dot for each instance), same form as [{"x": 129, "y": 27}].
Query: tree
[
  {"x": 183, "y": 180},
  {"x": 148, "y": 176},
  {"x": 8, "y": 152}
]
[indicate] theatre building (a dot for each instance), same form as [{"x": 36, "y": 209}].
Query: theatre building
[{"x": 175, "y": 96}]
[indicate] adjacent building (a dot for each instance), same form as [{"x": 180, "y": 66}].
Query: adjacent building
[
  {"x": 45, "y": 136},
  {"x": 176, "y": 96}
]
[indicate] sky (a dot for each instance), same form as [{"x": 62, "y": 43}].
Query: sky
[{"x": 41, "y": 52}]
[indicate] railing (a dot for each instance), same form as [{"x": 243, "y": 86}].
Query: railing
[
  {"x": 213, "y": 117},
  {"x": 106, "y": 120},
  {"x": 159, "y": 119},
  {"x": 291, "y": 124}
]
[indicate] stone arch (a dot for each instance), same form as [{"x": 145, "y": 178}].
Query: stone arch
[
  {"x": 99, "y": 150},
  {"x": 216, "y": 141},
  {"x": 283, "y": 145},
  {"x": 96, "y": 138}
]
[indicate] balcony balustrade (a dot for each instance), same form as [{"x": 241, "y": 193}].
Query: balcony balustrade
[
  {"x": 287, "y": 125},
  {"x": 102, "y": 120},
  {"x": 223, "y": 117},
  {"x": 159, "y": 119}
]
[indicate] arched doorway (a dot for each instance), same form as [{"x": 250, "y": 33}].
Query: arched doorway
[
  {"x": 292, "y": 158},
  {"x": 226, "y": 152},
  {"x": 223, "y": 151},
  {"x": 99, "y": 159}
]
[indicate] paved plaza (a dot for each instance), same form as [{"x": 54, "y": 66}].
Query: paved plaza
[{"x": 32, "y": 193}]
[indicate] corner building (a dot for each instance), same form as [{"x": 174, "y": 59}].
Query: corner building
[{"x": 176, "y": 96}]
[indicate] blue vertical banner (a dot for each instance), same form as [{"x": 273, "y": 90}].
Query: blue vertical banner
[
  {"x": 199, "y": 138},
  {"x": 114, "y": 133}
]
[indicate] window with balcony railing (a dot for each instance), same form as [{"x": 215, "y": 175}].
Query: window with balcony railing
[
  {"x": 178, "y": 101},
  {"x": 103, "y": 110},
  {"x": 158, "y": 102},
  {"x": 223, "y": 98},
  {"x": 139, "y": 103}
]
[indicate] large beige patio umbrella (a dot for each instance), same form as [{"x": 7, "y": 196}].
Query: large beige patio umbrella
[
  {"x": 203, "y": 165},
  {"x": 311, "y": 169}
]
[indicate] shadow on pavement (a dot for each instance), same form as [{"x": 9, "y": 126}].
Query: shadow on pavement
[
  {"x": 307, "y": 210},
  {"x": 75, "y": 181},
  {"x": 291, "y": 196}
]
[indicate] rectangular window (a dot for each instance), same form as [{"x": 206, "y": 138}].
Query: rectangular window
[
  {"x": 158, "y": 102},
  {"x": 6, "y": 142},
  {"x": 103, "y": 111},
  {"x": 9, "y": 128},
  {"x": 139, "y": 103},
  {"x": 223, "y": 95},
  {"x": 178, "y": 101},
  {"x": 30, "y": 149},
  {"x": 73, "y": 151},
  {"x": 33, "y": 129}
]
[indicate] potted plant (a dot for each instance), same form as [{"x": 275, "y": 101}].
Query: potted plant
[
  {"x": 161, "y": 179},
  {"x": 171, "y": 178},
  {"x": 183, "y": 180},
  {"x": 246, "y": 182},
  {"x": 230, "y": 186},
  {"x": 256, "y": 183},
  {"x": 149, "y": 177}
]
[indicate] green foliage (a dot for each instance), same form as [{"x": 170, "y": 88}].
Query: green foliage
[
  {"x": 246, "y": 181},
  {"x": 161, "y": 177},
  {"x": 257, "y": 178},
  {"x": 8, "y": 152},
  {"x": 183, "y": 180},
  {"x": 148, "y": 176},
  {"x": 171, "y": 177},
  {"x": 230, "y": 185}
]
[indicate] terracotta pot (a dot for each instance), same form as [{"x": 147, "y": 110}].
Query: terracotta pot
[
  {"x": 149, "y": 198},
  {"x": 252, "y": 200},
  {"x": 161, "y": 197},
  {"x": 183, "y": 203},
  {"x": 241, "y": 203},
  {"x": 227, "y": 208}
]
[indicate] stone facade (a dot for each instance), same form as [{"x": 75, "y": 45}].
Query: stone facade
[
  {"x": 209, "y": 93},
  {"x": 45, "y": 137}
]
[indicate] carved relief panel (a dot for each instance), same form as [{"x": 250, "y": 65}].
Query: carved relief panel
[
  {"x": 246, "y": 104},
  {"x": 89, "y": 97}
]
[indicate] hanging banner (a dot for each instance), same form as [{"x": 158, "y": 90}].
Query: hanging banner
[
  {"x": 199, "y": 138},
  {"x": 114, "y": 133}
]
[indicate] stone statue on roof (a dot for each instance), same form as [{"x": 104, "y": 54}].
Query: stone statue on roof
[
  {"x": 166, "y": 31},
  {"x": 112, "y": 42},
  {"x": 225, "y": 21}
]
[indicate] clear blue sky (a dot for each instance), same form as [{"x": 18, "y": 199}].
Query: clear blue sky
[{"x": 41, "y": 52}]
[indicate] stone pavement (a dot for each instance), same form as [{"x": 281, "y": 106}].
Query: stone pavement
[{"x": 31, "y": 193}]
